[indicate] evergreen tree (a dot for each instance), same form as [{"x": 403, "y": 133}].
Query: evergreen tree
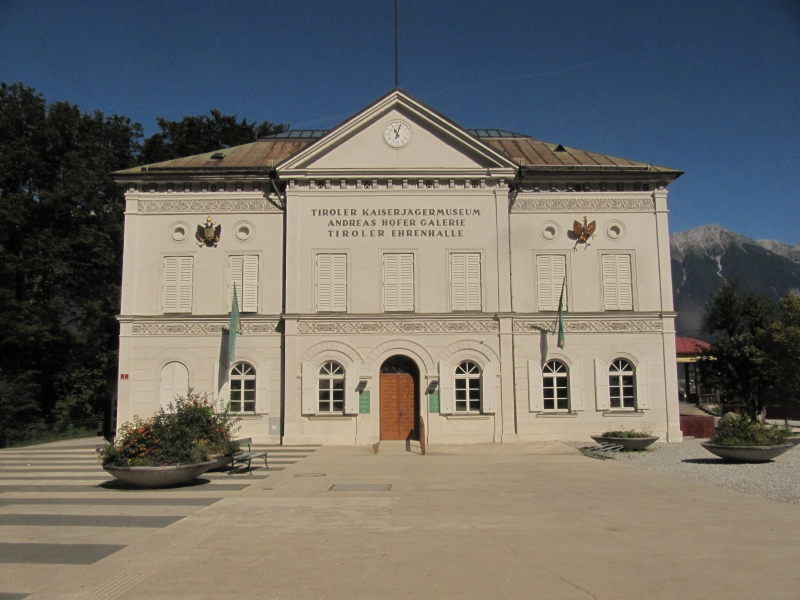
[{"x": 738, "y": 362}]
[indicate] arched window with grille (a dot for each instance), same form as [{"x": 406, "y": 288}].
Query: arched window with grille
[
  {"x": 468, "y": 387},
  {"x": 242, "y": 388},
  {"x": 622, "y": 384},
  {"x": 555, "y": 386},
  {"x": 331, "y": 388}
]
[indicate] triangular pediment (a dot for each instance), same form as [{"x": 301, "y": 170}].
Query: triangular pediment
[{"x": 429, "y": 143}]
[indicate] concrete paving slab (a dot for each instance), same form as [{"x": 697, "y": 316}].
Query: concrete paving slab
[
  {"x": 515, "y": 521},
  {"x": 73, "y": 554}
]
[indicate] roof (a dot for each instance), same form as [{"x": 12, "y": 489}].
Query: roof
[
  {"x": 689, "y": 345},
  {"x": 527, "y": 152}
]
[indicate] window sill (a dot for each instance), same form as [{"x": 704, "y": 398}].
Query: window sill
[
  {"x": 249, "y": 416},
  {"x": 623, "y": 413},
  {"x": 330, "y": 417},
  {"x": 556, "y": 415},
  {"x": 468, "y": 417}
]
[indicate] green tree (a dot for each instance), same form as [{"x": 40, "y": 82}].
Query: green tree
[
  {"x": 60, "y": 249},
  {"x": 196, "y": 135},
  {"x": 782, "y": 339},
  {"x": 738, "y": 363}
]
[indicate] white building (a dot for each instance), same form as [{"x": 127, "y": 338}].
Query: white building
[{"x": 399, "y": 272}]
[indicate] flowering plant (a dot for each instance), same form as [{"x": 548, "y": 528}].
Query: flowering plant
[{"x": 188, "y": 431}]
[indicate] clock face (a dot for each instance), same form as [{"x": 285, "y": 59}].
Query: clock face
[{"x": 397, "y": 134}]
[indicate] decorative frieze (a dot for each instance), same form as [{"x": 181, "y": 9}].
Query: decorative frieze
[
  {"x": 190, "y": 204},
  {"x": 589, "y": 325},
  {"x": 583, "y": 204},
  {"x": 403, "y": 327},
  {"x": 371, "y": 185},
  {"x": 200, "y": 328}
]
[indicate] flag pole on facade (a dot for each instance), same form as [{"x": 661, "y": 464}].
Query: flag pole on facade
[
  {"x": 561, "y": 341},
  {"x": 233, "y": 327}
]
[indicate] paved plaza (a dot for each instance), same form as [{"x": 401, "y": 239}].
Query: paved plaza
[{"x": 485, "y": 521}]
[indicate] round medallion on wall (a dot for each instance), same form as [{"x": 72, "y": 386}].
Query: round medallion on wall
[
  {"x": 243, "y": 230},
  {"x": 614, "y": 231},
  {"x": 178, "y": 231},
  {"x": 549, "y": 231},
  {"x": 397, "y": 134}
]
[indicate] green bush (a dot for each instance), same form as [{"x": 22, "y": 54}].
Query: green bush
[
  {"x": 627, "y": 433},
  {"x": 190, "y": 430},
  {"x": 741, "y": 430}
]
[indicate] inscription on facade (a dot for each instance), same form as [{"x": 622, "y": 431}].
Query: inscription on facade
[{"x": 395, "y": 222}]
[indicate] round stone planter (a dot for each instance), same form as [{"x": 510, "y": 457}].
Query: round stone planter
[
  {"x": 220, "y": 462},
  {"x": 158, "y": 477},
  {"x": 750, "y": 454},
  {"x": 628, "y": 443}
]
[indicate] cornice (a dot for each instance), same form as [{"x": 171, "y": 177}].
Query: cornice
[
  {"x": 593, "y": 325},
  {"x": 414, "y": 326},
  {"x": 197, "y": 327}
]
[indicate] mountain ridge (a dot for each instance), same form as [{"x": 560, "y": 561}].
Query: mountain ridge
[{"x": 705, "y": 257}]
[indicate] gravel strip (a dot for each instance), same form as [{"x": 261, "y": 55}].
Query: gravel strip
[{"x": 777, "y": 480}]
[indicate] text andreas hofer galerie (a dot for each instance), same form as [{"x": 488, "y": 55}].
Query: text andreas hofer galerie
[{"x": 395, "y": 222}]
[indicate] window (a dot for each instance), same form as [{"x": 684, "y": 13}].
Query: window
[
  {"x": 331, "y": 282},
  {"x": 468, "y": 387},
  {"x": 621, "y": 386},
  {"x": 551, "y": 272},
  {"x": 243, "y": 388},
  {"x": 331, "y": 388},
  {"x": 555, "y": 386},
  {"x": 173, "y": 382},
  {"x": 243, "y": 273},
  {"x": 398, "y": 282},
  {"x": 465, "y": 281},
  {"x": 176, "y": 284},
  {"x": 617, "y": 282}
]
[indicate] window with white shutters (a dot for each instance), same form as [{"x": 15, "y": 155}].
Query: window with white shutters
[
  {"x": 551, "y": 271},
  {"x": 617, "y": 282},
  {"x": 465, "y": 281},
  {"x": 331, "y": 282},
  {"x": 398, "y": 282},
  {"x": 243, "y": 273},
  {"x": 176, "y": 285}
]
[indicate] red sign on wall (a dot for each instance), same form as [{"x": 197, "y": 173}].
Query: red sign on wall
[{"x": 123, "y": 376}]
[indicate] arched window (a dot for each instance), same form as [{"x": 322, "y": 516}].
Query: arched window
[
  {"x": 243, "y": 388},
  {"x": 555, "y": 385},
  {"x": 621, "y": 384},
  {"x": 173, "y": 382},
  {"x": 331, "y": 388},
  {"x": 468, "y": 387}
]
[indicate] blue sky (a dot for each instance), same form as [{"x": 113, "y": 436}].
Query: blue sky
[{"x": 711, "y": 87}]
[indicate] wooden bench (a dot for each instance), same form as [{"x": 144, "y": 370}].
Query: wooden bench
[{"x": 241, "y": 457}]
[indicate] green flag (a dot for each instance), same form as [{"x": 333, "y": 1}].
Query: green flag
[
  {"x": 561, "y": 341},
  {"x": 233, "y": 327}
]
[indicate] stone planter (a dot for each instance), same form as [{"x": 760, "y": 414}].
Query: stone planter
[
  {"x": 158, "y": 477},
  {"x": 750, "y": 454},
  {"x": 627, "y": 443},
  {"x": 221, "y": 462}
]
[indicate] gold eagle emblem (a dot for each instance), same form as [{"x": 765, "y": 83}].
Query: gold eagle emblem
[
  {"x": 583, "y": 231},
  {"x": 208, "y": 234}
]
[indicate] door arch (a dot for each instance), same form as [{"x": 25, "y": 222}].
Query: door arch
[{"x": 399, "y": 399}]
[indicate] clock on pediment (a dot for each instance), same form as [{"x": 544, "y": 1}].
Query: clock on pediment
[{"x": 397, "y": 134}]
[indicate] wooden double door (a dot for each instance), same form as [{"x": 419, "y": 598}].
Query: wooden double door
[{"x": 397, "y": 406}]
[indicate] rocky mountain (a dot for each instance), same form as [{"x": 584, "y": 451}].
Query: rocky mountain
[{"x": 705, "y": 257}]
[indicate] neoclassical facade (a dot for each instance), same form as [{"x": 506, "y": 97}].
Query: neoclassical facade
[{"x": 400, "y": 276}]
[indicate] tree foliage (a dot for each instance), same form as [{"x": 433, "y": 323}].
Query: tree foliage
[
  {"x": 196, "y": 135},
  {"x": 61, "y": 226},
  {"x": 60, "y": 247},
  {"x": 754, "y": 358}
]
